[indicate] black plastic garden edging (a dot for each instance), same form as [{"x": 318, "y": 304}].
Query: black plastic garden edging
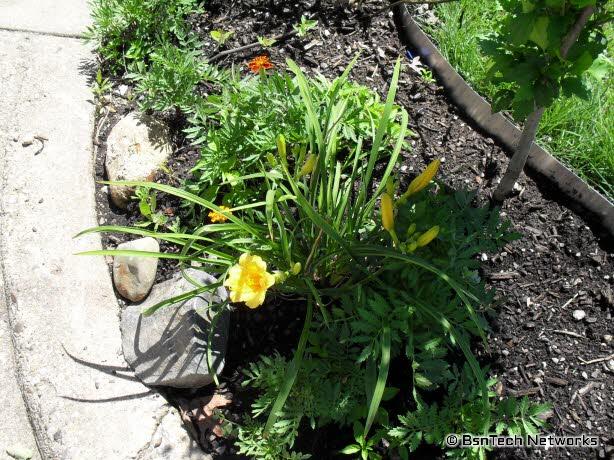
[{"x": 581, "y": 197}]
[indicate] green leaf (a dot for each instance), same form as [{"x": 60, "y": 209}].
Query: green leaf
[
  {"x": 292, "y": 370},
  {"x": 555, "y": 3},
  {"x": 179, "y": 298},
  {"x": 523, "y": 103},
  {"x": 380, "y": 385},
  {"x": 583, "y": 63},
  {"x": 527, "y": 6},
  {"x": 221, "y": 36},
  {"x": 303, "y": 28},
  {"x": 351, "y": 449},
  {"x": 389, "y": 393},
  {"x": 583, "y": 3},
  {"x": 575, "y": 86},
  {"x": 266, "y": 42},
  {"x": 422, "y": 381},
  {"x": 546, "y": 93},
  {"x": 539, "y": 34},
  {"x": 521, "y": 28},
  {"x": 601, "y": 67}
]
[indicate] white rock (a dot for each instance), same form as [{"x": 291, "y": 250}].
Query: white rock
[
  {"x": 579, "y": 314},
  {"x": 136, "y": 147},
  {"x": 134, "y": 276}
]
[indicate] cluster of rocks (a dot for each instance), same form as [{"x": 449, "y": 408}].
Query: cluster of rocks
[{"x": 182, "y": 344}]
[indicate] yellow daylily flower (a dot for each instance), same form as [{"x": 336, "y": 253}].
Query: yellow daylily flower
[
  {"x": 218, "y": 217},
  {"x": 428, "y": 236},
  {"x": 249, "y": 280},
  {"x": 423, "y": 179},
  {"x": 387, "y": 212}
]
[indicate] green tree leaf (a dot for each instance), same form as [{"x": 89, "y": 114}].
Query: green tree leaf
[
  {"x": 521, "y": 29},
  {"x": 539, "y": 34}
]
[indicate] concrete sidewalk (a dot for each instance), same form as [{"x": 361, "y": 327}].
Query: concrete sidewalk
[{"x": 67, "y": 391}]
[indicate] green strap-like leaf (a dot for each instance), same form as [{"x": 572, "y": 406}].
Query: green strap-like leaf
[
  {"x": 292, "y": 370},
  {"x": 376, "y": 398}
]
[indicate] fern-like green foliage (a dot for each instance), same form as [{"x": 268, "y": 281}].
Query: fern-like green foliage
[
  {"x": 173, "y": 77},
  {"x": 327, "y": 390},
  {"x": 126, "y": 32},
  {"x": 461, "y": 412},
  {"x": 237, "y": 129},
  {"x": 252, "y": 442}
]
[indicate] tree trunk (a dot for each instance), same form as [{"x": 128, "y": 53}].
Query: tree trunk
[
  {"x": 516, "y": 164},
  {"x": 519, "y": 159}
]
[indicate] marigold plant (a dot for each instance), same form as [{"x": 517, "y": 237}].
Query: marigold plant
[{"x": 260, "y": 63}]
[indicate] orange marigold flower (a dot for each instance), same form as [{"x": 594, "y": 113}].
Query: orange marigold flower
[
  {"x": 217, "y": 217},
  {"x": 260, "y": 62}
]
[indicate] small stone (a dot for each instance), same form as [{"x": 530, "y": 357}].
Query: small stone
[
  {"x": 584, "y": 375},
  {"x": 134, "y": 276},
  {"x": 505, "y": 352},
  {"x": 19, "y": 453},
  {"x": 610, "y": 365},
  {"x": 136, "y": 148},
  {"x": 172, "y": 441},
  {"x": 607, "y": 338},
  {"x": 591, "y": 320},
  {"x": 170, "y": 347},
  {"x": 579, "y": 315},
  {"x": 555, "y": 360}
]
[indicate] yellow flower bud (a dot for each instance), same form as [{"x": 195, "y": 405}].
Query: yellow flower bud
[
  {"x": 280, "y": 276},
  {"x": 281, "y": 148},
  {"x": 423, "y": 179},
  {"x": 296, "y": 268},
  {"x": 271, "y": 159},
  {"x": 411, "y": 247},
  {"x": 428, "y": 236},
  {"x": 309, "y": 165},
  {"x": 387, "y": 212},
  {"x": 411, "y": 229}
]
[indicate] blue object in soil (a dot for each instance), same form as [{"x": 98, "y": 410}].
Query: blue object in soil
[{"x": 409, "y": 55}]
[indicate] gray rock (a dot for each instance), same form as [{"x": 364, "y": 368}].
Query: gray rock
[
  {"x": 169, "y": 348},
  {"x": 134, "y": 276},
  {"x": 136, "y": 147}
]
